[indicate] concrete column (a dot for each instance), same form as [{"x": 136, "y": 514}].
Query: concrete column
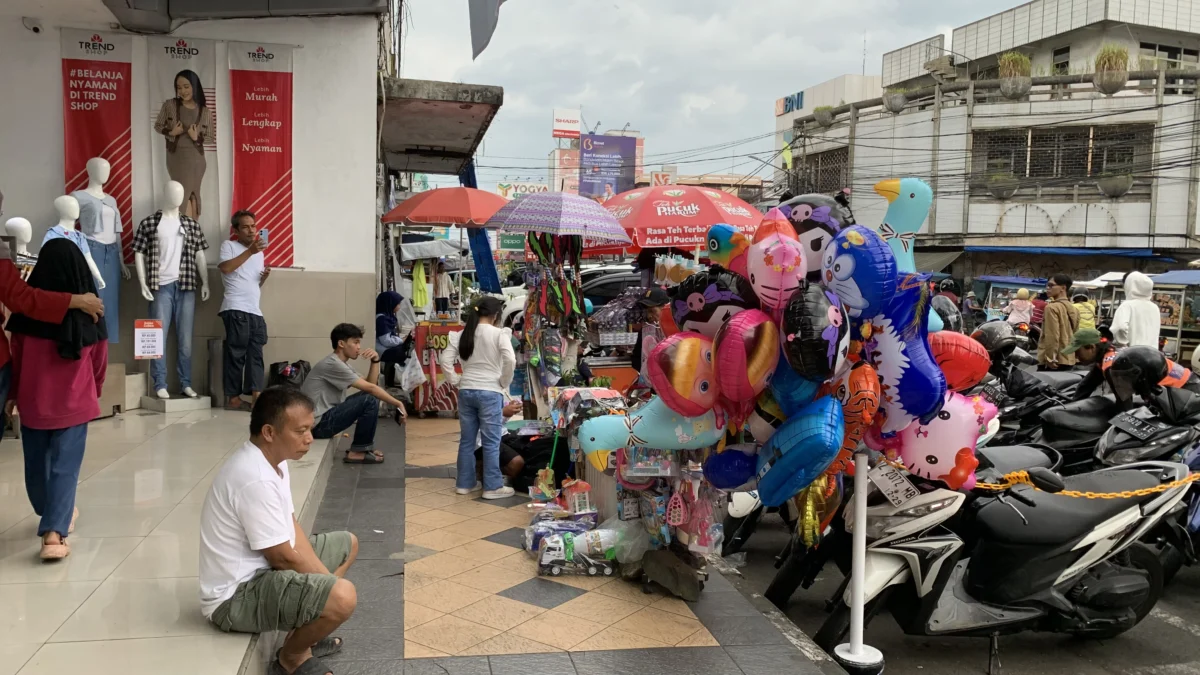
[
  {"x": 937, "y": 144},
  {"x": 970, "y": 162}
]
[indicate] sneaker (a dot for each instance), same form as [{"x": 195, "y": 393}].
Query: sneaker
[
  {"x": 467, "y": 491},
  {"x": 499, "y": 494}
]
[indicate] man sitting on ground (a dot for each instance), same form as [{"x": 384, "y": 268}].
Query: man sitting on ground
[
  {"x": 258, "y": 570},
  {"x": 327, "y": 383}
]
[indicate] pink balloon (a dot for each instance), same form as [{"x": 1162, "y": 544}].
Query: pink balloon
[
  {"x": 681, "y": 370},
  {"x": 747, "y": 351},
  {"x": 944, "y": 449}
]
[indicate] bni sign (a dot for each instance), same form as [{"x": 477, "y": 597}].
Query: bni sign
[{"x": 789, "y": 104}]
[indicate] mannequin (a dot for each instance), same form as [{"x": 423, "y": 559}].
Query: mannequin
[
  {"x": 22, "y": 231},
  {"x": 100, "y": 222},
  {"x": 68, "y": 212},
  {"x": 169, "y": 258}
]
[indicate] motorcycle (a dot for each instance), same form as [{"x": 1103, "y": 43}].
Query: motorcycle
[
  {"x": 1040, "y": 561},
  {"x": 744, "y": 511}
]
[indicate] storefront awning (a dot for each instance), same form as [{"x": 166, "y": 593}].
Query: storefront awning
[
  {"x": 434, "y": 127},
  {"x": 1050, "y": 250},
  {"x": 935, "y": 261}
]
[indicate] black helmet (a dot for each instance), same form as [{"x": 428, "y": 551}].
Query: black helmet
[
  {"x": 948, "y": 311},
  {"x": 1136, "y": 370},
  {"x": 948, "y": 286},
  {"x": 998, "y": 337}
]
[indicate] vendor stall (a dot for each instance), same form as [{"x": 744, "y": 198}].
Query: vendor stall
[
  {"x": 1177, "y": 294},
  {"x": 996, "y": 292}
]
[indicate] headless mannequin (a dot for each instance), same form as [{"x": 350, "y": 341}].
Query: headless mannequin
[
  {"x": 22, "y": 231},
  {"x": 68, "y": 212},
  {"x": 172, "y": 197},
  {"x": 98, "y": 170}
]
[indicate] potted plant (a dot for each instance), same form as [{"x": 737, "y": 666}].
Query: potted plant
[
  {"x": 1003, "y": 185},
  {"x": 1115, "y": 185},
  {"x": 895, "y": 100},
  {"x": 1112, "y": 69},
  {"x": 824, "y": 115},
  {"x": 1015, "y": 75}
]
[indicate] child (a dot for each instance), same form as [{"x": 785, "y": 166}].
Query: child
[
  {"x": 1021, "y": 309},
  {"x": 441, "y": 289}
]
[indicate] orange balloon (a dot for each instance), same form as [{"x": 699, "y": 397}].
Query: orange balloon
[
  {"x": 858, "y": 391},
  {"x": 962, "y": 359}
]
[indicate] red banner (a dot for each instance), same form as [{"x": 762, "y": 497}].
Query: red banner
[
  {"x": 260, "y": 79},
  {"x": 96, "y": 116}
]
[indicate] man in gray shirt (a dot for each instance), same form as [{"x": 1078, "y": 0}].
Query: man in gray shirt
[{"x": 327, "y": 383}]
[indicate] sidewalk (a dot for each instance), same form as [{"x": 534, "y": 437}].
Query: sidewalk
[{"x": 446, "y": 573}]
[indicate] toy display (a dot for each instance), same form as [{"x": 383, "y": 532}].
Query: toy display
[
  {"x": 705, "y": 301},
  {"x": 775, "y": 262},
  {"x": 681, "y": 371},
  {"x": 858, "y": 266},
  {"x": 747, "y": 351},
  {"x": 800, "y": 450},
  {"x": 816, "y": 333},
  {"x": 727, "y": 247},
  {"x": 817, "y": 219}
]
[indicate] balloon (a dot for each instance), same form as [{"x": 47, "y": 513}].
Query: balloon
[
  {"x": 681, "y": 371},
  {"x": 913, "y": 384},
  {"x": 944, "y": 449},
  {"x": 859, "y": 267},
  {"x": 948, "y": 311},
  {"x": 790, "y": 391},
  {"x": 857, "y": 390},
  {"x": 747, "y": 350},
  {"x": 731, "y": 469},
  {"x": 816, "y": 333},
  {"x": 909, "y": 200},
  {"x": 767, "y": 415},
  {"x": 800, "y": 450},
  {"x": 727, "y": 247},
  {"x": 963, "y": 361},
  {"x": 652, "y": 425},
  {"x": 935, "y": 322},
  {"x": 706, "y": 300},
  {"x": 816, "y": 505},
  {"x": 816, "y": 218},
  {"x": 775, "y": 262}
]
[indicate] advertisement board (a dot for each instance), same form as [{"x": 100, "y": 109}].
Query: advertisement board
[
  {"x": 660, "y": 178},
  {"x": 606, "y": 165},
  {"x": 566, "y": 123},
  {"x": 513, "y": 190}
]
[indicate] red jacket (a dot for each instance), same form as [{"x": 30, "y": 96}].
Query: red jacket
[
  {"x": 52, "y": 392},
  {"x": 21, "y": 298}
]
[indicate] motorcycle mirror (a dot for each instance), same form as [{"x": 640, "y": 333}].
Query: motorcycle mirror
[{"x": 1046, "y": 480}]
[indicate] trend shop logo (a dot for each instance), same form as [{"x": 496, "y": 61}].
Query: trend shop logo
[
  {"x": 96, "y": 45},
  {"x": 181, "y": 50},
  {"x": 260, "y": 54}
]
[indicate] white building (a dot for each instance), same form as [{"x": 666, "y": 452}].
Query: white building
[
  {"x": 1015, "y": 178},
  {"x": 838, "y": 91}
]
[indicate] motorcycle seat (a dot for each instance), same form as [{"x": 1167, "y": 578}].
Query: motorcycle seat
[
  {"x": 997, "y": 460},
  {"x": 1060, "y": 379},
  {"x": 1058, "y": 519}
]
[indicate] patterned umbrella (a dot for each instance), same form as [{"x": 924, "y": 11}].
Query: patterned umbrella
[{"x": 561, "y": 213}]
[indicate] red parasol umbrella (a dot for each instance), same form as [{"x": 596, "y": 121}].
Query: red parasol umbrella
[
  {"x": 462, "y": 206},
  {"x": 676, "y": 216}
]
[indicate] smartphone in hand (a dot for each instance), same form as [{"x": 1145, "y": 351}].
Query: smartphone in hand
[{"x": 262, "y": 234}]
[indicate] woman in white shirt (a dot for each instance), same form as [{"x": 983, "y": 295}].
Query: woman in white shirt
[{"x": 488, "y": 361}]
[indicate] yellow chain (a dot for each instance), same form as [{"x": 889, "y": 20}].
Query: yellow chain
[{"x": 1022, "y": 477}]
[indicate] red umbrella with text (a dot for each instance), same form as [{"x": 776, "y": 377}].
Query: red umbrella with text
[{"x": 678, "y": 216}]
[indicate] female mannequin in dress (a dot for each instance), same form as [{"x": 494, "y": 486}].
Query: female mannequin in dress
[
  {"x": 100, "y": 222},
  {"x": 68, "y": 212}
]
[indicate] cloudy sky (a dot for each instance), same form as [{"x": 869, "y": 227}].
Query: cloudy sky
[{"x": 688, "y": 74}]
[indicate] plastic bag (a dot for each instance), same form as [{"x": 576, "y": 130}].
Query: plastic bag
[
  {"x": 413, "y": 375},
  {"x": 290, "y": 374},
  {"x": 406, "y": 317},
  {"x": 632, "y": 540}
]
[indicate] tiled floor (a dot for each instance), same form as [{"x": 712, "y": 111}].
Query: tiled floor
[
  {"x": 126, "y": 600},
  {"x": 447, "y": 571}
]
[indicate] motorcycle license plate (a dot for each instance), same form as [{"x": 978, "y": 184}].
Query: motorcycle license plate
[
  {"x": 994, "y": 394},
  {"x": 1138, "y": 428},
  {"x": 894, "y": 485}
]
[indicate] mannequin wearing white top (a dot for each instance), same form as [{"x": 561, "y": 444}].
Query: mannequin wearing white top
[
  {"x": 172, "y": 197},
  {"x": 98, "y": 170},
  {"x": 100, "y": 223},
  {"x": 22, "y": 232},
  {"x": 68, "y": 212}
]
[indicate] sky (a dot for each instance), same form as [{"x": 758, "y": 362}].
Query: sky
[{"x": 687, "y": 74}]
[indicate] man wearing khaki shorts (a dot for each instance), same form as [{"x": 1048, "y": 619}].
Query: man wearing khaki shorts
[{"x": 258, "y": 570}]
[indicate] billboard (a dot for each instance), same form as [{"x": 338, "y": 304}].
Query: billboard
[
  {"x": 606, "y": 165},
  {"x": 512, "y": 190},
  {"x": 566, "y": 123}
]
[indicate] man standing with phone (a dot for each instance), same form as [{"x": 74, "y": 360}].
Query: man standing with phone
[{"x": 244, "y": 271}]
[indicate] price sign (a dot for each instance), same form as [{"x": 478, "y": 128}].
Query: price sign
[
  {"x": 149, "y": 341},
  {"x": 895, "y": 485},
  {"x": 1137, "y": 427}
]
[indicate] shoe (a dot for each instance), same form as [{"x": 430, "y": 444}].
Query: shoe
[
  {"x": 499, "y": 494},
  {"x": 55, "y": 551},
  {"x": 467, "y": 491}
]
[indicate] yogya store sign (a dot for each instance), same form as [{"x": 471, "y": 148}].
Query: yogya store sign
[{"x": 514, "y": 190}]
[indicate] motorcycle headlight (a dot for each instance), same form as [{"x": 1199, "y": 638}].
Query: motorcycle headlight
[
  {"x": 1151, "y": 450},
  {"x": 879, "y": 525}
]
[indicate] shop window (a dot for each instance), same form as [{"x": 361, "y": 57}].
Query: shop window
[
  {"x": 825, "y": 172},
  {"x": 1061, "y": 61}
]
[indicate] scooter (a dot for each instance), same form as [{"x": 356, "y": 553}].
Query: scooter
[
  {"x": 744, "y": 511},
  {"x": 1039, "y": 562}
]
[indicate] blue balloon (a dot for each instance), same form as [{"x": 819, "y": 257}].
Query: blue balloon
[
  {"x": 800, "y": 450},
  {"x": 791, "y": 391},
  {"x": 914, "y": 386},
  {"x": 935, "y": 322},
  {"x": 860, "y": 268},
  {"x": 729, "y": 470}
]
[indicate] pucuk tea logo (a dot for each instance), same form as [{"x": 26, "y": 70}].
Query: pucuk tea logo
[
  {"x": 260, "y": 54},
  {"x": 96, "y": 45},
  {"x": 181, "y": 50}
]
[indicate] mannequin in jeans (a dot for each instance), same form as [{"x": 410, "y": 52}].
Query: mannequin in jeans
[
  {"x": 175, "y": 245},
  {"x": 100, "y": 222}
]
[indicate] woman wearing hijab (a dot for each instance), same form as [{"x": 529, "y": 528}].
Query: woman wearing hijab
[
  {"x": 392, "y": 346},
  {"x": 58, "y": 373}
]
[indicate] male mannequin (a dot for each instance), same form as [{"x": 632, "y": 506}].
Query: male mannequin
[
  {"x": 68, "y": 212},
  {"x": 169, "y": 257},
  {"x": 100, "y": 222}
]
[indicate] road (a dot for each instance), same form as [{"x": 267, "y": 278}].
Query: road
[{"x": 1166, "y": 643}]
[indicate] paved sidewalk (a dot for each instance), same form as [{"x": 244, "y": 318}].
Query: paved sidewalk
[{"x": 444, "y": 587}]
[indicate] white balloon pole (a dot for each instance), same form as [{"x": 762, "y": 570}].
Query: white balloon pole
[{"x": 858, "y": 658}]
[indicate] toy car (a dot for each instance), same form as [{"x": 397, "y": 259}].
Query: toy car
[{"x": 558, "y": 556}]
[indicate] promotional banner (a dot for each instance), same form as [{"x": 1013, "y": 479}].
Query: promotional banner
[
  {"x": 606, "y": 165},
  {"x": 96, "y": 69},
  {"x": 183, "y": 118},
  {"x": 566, "y": 123},
  {"x": 260, "y": 85},
  {"x": 513, "y": 190}
]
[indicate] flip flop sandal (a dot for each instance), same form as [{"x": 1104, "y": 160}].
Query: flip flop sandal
[
  {"x": 367, "y": 458},
  {"x": 313, "y": 666},
  {"x": 327, "y": 647},
  {"x": 55, "y": 551}
]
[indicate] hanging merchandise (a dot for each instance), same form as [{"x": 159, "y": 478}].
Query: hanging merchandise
[
  {"x": 651, "y": 425},
  {"x": 775, "y": 262},
  {"x": 747, "y": 351},
  {"x": 670, "y": 270},
  {"x": 963, "y": 360},
  {"x": 858, "y": 266},
  {"x": 681, "y": 371},
  {"x": 816, "y": 506},
  {"x": 731, "y": 469},
  {"x": 791, "y": 392},
  {"x": 816, "y": 333},
  {"x": 944, "y": 449},
  {"x": 768, "y": 414},
  {"x": 727, "y": 247},
  {"x": 705, "y": 301},
  {"x": 800, "y": 450},
  {"x": 420, "y": 292},
  {"x": 857, "y": 390}
]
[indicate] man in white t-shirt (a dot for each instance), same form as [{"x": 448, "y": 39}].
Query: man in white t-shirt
[
  {"x": 244, "y": 272},
  {"x": 258, "y": 570}
]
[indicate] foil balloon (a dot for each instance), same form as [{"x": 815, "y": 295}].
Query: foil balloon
[
  {"x": 909, "y": 200},
  {"x": 857, "y": 390},
  {"x": 816, "y": 333},
  {"x": 681, "y": 371},
  {"x": 706, "y": 300},
  {"x": 913, "y": 384},
  {"x": 727, "y": 247},
  {"x": 653, "y": 425},
  {"x": 799, "y": 451},
  {"x": 963, "y": 361},
  {"x": 791, "y": 391},
  {"x": 816, "y": 505},
  {"x": 949, "y": 313},
  {"x": 775, "y": 262},
  {"x": 944, "y": 448},
  {"x": 731, "y": 469},
  {"x": 767, "y": 415},
  {"x": 817, "y": 219},
  {"x": 747, "y": 351},
  {"x": 859, "y": 267}
]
